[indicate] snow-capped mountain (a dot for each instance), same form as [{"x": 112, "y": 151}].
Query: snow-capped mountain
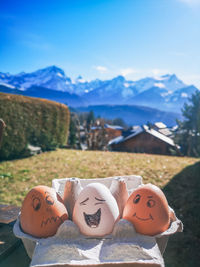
[
  {"x": 166, "y": 92},
  {"x": 51, "y": 77},
  {"x": 169, "y": 82}
]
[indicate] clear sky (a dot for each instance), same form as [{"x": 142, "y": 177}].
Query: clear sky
[{"x": 102, "y": 38}]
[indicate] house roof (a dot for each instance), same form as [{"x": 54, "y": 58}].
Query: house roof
[
  {"x": 160, "y": 125},
  {"x": 95, "y": 128},
  {"x": 114, "y": 127},
  {"x": 161, "y": 136},
  {"x": 165, "y": 131},
  {"x": 139, "y": 130}
]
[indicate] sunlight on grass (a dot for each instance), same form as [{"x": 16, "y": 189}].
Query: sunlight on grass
[{"x": 19, "y": 176}]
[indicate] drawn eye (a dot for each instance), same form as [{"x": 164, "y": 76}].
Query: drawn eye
[
  {"x": 98, "y": 203},
  {"x": 84, "y": 201},
  {"x": 136, "y": 199},
  {"x": 49, "y": 200},
  {"x": 151, "y": 203},
  {"x": 36, "y": 203}
]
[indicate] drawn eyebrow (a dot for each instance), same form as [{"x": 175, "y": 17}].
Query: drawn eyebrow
[
  {"x": 150, "y": 196},
  {"x": 99, "y": 199},
  {"x": 83, "y": 202}
]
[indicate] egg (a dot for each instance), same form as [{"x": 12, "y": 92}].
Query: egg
[
  {"x": 147, "y": 209},
  {"x": 96, "y": 210},
  {"x": 42, "y": 212}
]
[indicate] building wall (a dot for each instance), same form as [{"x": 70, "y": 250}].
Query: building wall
[
  {"x": 113, "y": 133},
  {"x": 143, "y": 143}
]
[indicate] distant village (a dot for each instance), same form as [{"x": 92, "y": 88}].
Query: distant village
[{"x": 150, "y": 138}]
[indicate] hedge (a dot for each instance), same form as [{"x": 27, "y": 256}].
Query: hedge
[{"x": 32, "y": 121}]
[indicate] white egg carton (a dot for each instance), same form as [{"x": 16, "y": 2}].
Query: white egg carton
[{"x": 124, "y": 246}]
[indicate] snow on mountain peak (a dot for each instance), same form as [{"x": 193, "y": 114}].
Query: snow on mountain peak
[
  {"x": 172, "y": 82},
  {"x": 53, "y": 69},
  {"x": 7, "y": 85},
  {"x": 160, "y": 85},
  {"x": 126, "y": 85},
  {"x": 80, "y": 79},
  {"x": 50, "y": 77}
]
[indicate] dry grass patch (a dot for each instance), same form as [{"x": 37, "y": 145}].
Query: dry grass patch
[{"x": 19, "y": 176}]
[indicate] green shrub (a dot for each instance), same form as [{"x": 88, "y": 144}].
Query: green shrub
[{"x": 32, "y": 121}]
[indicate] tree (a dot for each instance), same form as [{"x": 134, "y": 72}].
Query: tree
[
  {"x": 188, "y": 134},
  {"x": 120, "y": 122},
  {"x": 97, "y": 137},
  {"x": 74, "y": 131},
  {"x": 90, "y": 119}
]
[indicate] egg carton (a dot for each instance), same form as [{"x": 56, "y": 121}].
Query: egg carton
[{"x": 68, "y": 247}]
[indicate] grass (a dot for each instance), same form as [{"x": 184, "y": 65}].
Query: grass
[
  {"x": 179, "y": 177},
  {"x": 17, "y": 177}
]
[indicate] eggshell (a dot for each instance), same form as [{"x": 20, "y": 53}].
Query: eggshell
[
  {"x": 42, "y": 212},
  {"x": 96, "y": 210},
  {"x": 147, "y": 209}
]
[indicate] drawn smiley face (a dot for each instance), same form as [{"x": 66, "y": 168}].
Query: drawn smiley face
[
  {"x": 147, "y": 209},
  {"x": 95, "y": 211},
  {"x": 42, "y": 212}
]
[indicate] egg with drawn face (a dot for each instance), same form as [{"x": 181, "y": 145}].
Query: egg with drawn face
[
  {"x": 96, "y": 210},
  {"x": 147, "y": 209},
  {"x": 42, "y": 212}
]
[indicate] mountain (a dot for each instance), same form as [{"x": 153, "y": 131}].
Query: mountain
[
  {"x": 132, "y": 115},
  {"x": 170, "y": 82},
  {"x": 163, "y": 99},
  {"x": 167, "y": 92},
  {"x": 115, "y": 91},
  {"x": 51, "y": 77}
]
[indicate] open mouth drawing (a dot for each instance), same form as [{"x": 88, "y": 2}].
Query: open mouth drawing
[
  {"x": 93, "y": 220},
  {"x": 143, "y": 219}
]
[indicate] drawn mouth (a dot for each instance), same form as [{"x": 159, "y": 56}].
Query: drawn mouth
[
  {"x": 143, "y": 219},
  {"x": 93, "y": 220},
  {"x": 50, "y": 220}
]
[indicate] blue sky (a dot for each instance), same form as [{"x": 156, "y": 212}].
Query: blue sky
[{"x": 102, "y": 38}]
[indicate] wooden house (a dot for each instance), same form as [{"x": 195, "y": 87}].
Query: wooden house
[
  {"x": 143, "y": 140},
  {"x": 113, "y": 131}
]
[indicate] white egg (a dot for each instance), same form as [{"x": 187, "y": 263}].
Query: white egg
[{"x": 96, "y": 210}]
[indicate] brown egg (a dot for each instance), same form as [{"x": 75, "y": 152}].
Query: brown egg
[
  {"x": 147, "y": 209},
  {"x": 42, "y": 212}
]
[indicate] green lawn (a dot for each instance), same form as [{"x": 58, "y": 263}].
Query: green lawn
[{"x": 179, "y": 177}]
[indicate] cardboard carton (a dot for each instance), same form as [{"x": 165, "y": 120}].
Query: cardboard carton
[{"x": 123, "y": 247}]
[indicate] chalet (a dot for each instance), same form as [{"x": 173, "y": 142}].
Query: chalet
[
  {"x": 143, "y": 140},
  {"x": 113, "y": 131}
]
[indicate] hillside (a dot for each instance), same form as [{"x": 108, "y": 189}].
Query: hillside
[
  {"x": 133, "y": 114},
  {"x": 178, "y": 176},
  {"x": 42, "y": 92}
]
